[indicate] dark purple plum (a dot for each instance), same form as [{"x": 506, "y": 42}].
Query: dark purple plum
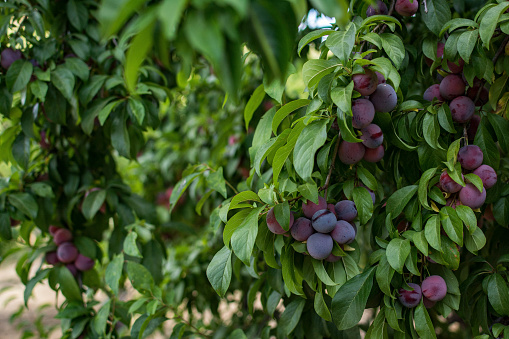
[
  {"x": 384, "y": 98},
  {"x": 351, "y": 152},
  {"x": 83, "y": 263},
  {"x": 8, "y": 56},
  {"x": 428, "y": 303},
  {"x": 473, "y": 125},
  {"x": 380, "y": 8},
  {"x": 343, "y": 233},
  {"x": 433, "y": 92},
  {"x": 72, "y": 268},
  {"x": 346, "y": 210},
  {"x": 410, "y": 299},
  {"x": 448, "y": 185},
  {"x": 323, "y": 221},
  {"x": 332, "y": 258},
  {"x": 273, "y": 225},
  {"x": 471, "y": 197},
  {"x": 452, "y": 87},
  {"x": 487, "y": 175},
  {"x": 406, "y": 7},
  {"x": 302, "y": 229},
  {"x": 51, "y": 258},
  {"x": 61, "y": 236},
  {"x": 372, "y": 136},
  {"x": 320, "y": 245},
  {"x": 363, "y": 113},
  {"x": 365, "y": 83},
  {"x": 381, "y": 78},
  {"x": 462, "y": 109},
  {"x": 374, "y": 154},
  {"x": 67, "y": 252},
  {"x": 330, "y": 207},
  {"x": 434, "y": 288},
  {"x": 484, "y": 97},
  {"x": 456, "y": 67},
  {"x": 309, "y": 208},
  {"x": 53, "y": 229},
  {"x": 470, "y": 157}
]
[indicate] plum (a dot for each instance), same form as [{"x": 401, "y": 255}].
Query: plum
[
  {"x": 372, "y": 136},
  {"x": 323, "y": 221},
  {"x": 309, "y": 208},
  {"x": 346, "y": 210},
  {"x": 320, "y": 245},
  {"x": 407, "y": 7},
  {"x": 384, "y": 99},
  {"x": 273, "y": 225},
  {"x": 8, "y": 56},
  {"x": 456, "y": 67},
  {"x": 343, "y": 232},
  {"x": 462, "y": 109},
  {"x": 330, "y": 207},
  {"x": 67, "y": 252},
  {"x": 380, "y": 8},
  {"x": 83, "y": 263},
  {"x": 428, "y": 303},
  {"x": 365, "y": 83},
  {"x": 363, "y": 113},
  {"x": 302, "y": 229},
  {"x": 452, "y": 87},
  {"x": 380, "y": 77},
  {"x": 51, "y": 258},
  {"x": 374, "y": 154},
  {"x": 434, "y": 288},
  {"x": 351, "y": 152},
  {"x": 448, "y": 185},
  {"x": 332, "y": 258},
  {"x": 72, "y": 268},
  {"x": 61, "y": 236},
  {"x": 433, "y": 91},
  {"x": 483, "y": 97},
  {"x": 470, "y": 157},
  {"x": 53, "y": 229},
  {"x": 487, "y": 175},
  {"x": 412, "y": 298},
  {"x": 471, "y": 197}
]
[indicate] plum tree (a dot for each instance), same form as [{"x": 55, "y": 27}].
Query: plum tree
[
  {"x": 84, "y": 263},
  {"x": 470, "y": 196},
  {"x": 365, "y": 83},
  {"x": 384, "y": 99},
  {"x": 411, "y": 298},
  {"x": 448, "y": 185},
  {"x": 374, "y": 154},
  {"x": 323, "y": 221},
  {"x": 432, "y": 92},
  {"x": 462, "y": 109},
  {"x": 406, "y": 7},
  {"x": 452, "y": 86},
  {"x": 434, "y": 288},
  {"x": 9, "y": 56},
  {"x": 309, "y": 208},
  {"x": 487, "y": 175},
  {"x": 51, "y": 258},
  {"x": 351, "y": 152},
  {"x": 302, "y": 229},
  {"x": 470, "y": 157},
  {"x": 346, "y": 210},
  {"x": 67, "y": 252},
  {"x": 343, "y": 232},
  {"x": 363, "y": 113},
  {"x": 274, "y": 225},
  {"x": 379, "y": 8},
  {"x": 372, "y": 136},
  {"x": 61, "y": 236},
  {"x": 320, "y": 245}
]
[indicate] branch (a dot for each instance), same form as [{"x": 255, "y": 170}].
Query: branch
[{"x": 333, "y": 161}]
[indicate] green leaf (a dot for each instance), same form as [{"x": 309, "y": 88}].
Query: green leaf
[
  {"x": 169, "y": 14},
  {"x": 291, "y": 277},
  {"x": 484, "y": 140},
  {"x": 282, "y": 214},
  {"x": 313, "y": 137},
  {"x": 420, "y": 242},
  {"x": 242, "y": 197},
  {"x": 180, "y": 188},
  {"x": 489, "y": 22},
  {"x": 367, "y": 178},
  {"x": 321, "y": 307},
  {"x": 42, "y": 189},
  {"x": 399, "y": 199},
  {"x": 91, "y": 88},
  {"x": 431, "y": 130},
  {"x": 397, "y": 251},
  {"x": 384, "y": 274},
  {"x": 346, "y": 128},
  {"x": 63, "y": 79},
  {"x": 350, "y": 301},
  {"x": 363, "y": 203},
  {"x": 501, "y": 126},
  {"x": 18, "y": 75},
  {"x": 495, "y": 91},
  {"x": 253, "y": 103},
  {"x": 42, "y": 274},
  {"x": 216, "y": 181},
  {"x": 24, "y": 202},
  {"x": 432, "y": 232},
  {"x": 5, "y": 226},
  {"x": 341, "y": 42},
  {"x": 474, "y": 241},
  {"x": 21, "y": 150},
  {"x": 452, "y": 224},
  {"x": 466, "y": 44},
  {"x": 342, "y": 97},
  {"x": 219, "y": 271},
  {"x": 137, "y": 109},
  {"x": 321, "y": 273},
  {"x": 284, "y": 111},
  {"x": 445, "y": 119},
  {"x": 39, "y": 89},
  {"x": 394, "y": 48},
  {"x": 92, "y": 203},
  {"x": 232, "y": 225},
  {"x": 423, "y": 324},
  {"x": 130, "y": 246},
  {"x": 140, "y": 277},
  {"x": 475, "y": 180},
  {"x": 68, "y": 285},
  {"x": 100, "y": 320},
  {"x": 315, "y": 69},
  {"x": 243, "y": 239},
  {"x": 466, "y": 214},
  {"x": 138, "y": 50},
  {"x": 113, "y": 272},
  {"x": 423, "y": 186},
  {"x": 450, "y": 253},
  {"x": 313, "y": 35},
  {"x": 77, "y": 14},
  {"x": 78, "y": 67},
  {"x": 437, "y": 16},
  {"x": 498, "y": 294},
  {"x": 290, "y": 317}
]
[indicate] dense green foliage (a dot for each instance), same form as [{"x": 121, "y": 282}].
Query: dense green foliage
[{"x": 252, "y": 179}]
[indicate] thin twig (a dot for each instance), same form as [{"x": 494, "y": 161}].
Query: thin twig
[
  {"x": 425, "y": 4},
  {"x": 231, "y": 186},
  {"x": 333, "y": 161}
]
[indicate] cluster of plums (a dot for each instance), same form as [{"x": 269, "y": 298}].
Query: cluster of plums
[
  {"x": 67, "y": 253},
  {"x": 432, "y": 289},
  {"x": 470, "y": 158},
  {"x": 402, "y": 7},
  {"x": 321, "y": 225},
  {"x": 378, "y": 97}
]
